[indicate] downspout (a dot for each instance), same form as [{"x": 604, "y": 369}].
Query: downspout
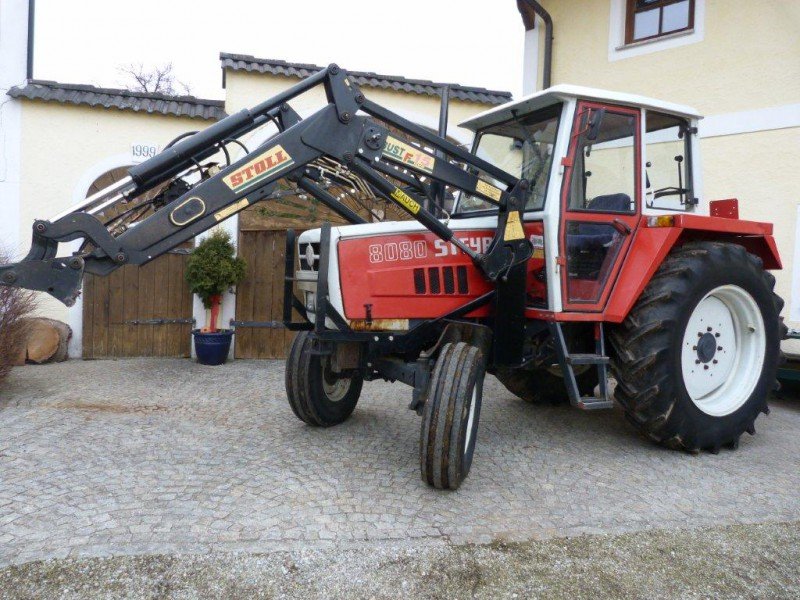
[
  {"x": 29, "y": 68},
  {"x": 528, "y": 9}
]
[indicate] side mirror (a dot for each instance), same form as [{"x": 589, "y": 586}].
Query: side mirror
[{"x": 595, "y": 120}]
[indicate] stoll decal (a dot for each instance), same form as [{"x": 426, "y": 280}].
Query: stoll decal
[{"x": 262, "y": 166}]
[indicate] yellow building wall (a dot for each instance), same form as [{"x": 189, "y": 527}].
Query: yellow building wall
[
  {"x": 62, "y": 143},
  {"x": 749, "y": 56},
  {"x": 759, "y": 170}
]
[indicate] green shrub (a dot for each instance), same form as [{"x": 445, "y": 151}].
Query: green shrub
[{"x": 212, "y": 267}]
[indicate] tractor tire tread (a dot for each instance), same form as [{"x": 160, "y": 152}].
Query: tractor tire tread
[
  {"x": 458, "y": 368},
  {"x": 640, "y": 344}
]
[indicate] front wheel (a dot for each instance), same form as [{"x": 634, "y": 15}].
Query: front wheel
[
  {"x": 317, "y": 395},
  {"x": 697, "y": 355},
  {"x": 451, "y": 414}
]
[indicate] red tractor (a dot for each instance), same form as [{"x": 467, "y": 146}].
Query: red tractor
[{"x": 575, "y": 244}]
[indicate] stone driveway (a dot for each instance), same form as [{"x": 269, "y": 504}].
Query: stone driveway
[{"x": 162, "y": 456}]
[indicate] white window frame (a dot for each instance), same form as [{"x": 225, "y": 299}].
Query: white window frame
[{"x": 618, "y": 50}]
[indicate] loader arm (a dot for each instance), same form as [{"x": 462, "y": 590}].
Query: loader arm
[{"x": 349, "y": 130}]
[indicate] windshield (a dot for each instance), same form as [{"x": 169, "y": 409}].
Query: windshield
[{"x": 522, "y": 147}]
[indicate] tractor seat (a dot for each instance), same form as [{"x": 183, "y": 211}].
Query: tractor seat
[
  {"x": 588, "y": 246},
  {"x": 611, "y": 203}
]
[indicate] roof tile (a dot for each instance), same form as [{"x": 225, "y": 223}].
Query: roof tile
[
  {"x": 245, "y": 62},
  {"x": 89, "y": 95}
]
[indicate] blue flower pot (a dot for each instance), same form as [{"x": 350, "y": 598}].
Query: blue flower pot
[{"x": 212, "y": 348}]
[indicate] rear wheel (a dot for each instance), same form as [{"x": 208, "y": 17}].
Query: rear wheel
[
  {"x": 450, "y": 417},
  {"x": 317, "y": 395},
  {"x": 697, "y": 355}
]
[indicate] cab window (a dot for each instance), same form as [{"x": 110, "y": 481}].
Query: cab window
[
  {"x": 522, "y": 147},
  {"x": 604, "y": 171},
  {"x": 668, "y": 177}
]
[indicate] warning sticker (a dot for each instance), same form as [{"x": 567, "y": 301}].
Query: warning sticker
[
  {"x": 537, "y": 241},
  {"x": 513, "y": 227},
  {"x": 408, "y": 155},
  {"x": 405, "y": 201},
  {"x": 487, "y": 189}
]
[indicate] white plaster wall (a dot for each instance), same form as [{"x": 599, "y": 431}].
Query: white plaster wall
[
  {"x": 64, "y": 149},
  {"x": 13, "y": 62}
]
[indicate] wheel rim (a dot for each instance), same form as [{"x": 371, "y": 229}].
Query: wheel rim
[
  {"x": 335, "y": 387},
  {"x": 471, "y": 419},
  {"x": 723, "y": 350}
]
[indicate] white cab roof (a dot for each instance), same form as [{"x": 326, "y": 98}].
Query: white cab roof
[{"x": 559, "y": 93}]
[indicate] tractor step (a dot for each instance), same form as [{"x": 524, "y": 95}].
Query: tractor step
[
  {"x": 587, "y": 359},
  {"x": 599, "y": 360},
  {"x": 594, "y": 403}
]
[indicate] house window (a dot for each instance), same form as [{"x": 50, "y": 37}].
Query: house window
[{"x": 652, "y": 19}]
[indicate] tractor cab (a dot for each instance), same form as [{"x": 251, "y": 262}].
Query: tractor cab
[{"x": 596, "y": 162}]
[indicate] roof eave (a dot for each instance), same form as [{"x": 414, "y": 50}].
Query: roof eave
[
  {"x": 125, "y": 100},
  {"x": 280, "y": 68}
]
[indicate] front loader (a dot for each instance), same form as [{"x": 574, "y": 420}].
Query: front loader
[{"x": 578, "y": 256}]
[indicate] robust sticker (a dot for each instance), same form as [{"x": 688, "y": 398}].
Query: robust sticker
[
  {"x": 405, "y": 201},
  {"x": 233, "y": 208},
  {"x": 258, "y": 169},
  {"x": 487, "y": 189},
  {"x": 513, "y": 227},
  {"x": 408, "y": 155}
]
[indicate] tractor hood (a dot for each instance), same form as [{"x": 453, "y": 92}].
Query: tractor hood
[{"x": 389, "y": 274}]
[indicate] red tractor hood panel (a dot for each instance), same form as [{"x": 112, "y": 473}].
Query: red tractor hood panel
[{"x": 416, "y": 275}]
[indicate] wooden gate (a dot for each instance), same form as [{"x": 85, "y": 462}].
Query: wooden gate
[
  {"x": 138, "y": 311},
  {"x": 259, "y": 298},
  {"x": 262, "y": 244}
]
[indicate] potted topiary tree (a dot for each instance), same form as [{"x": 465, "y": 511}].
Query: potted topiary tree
[{"x": 211, "y": 269}]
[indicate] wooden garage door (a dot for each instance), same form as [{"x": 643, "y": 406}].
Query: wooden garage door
[
  {"x": 129, "y": 312},
  {"x": 259, "y": 298}
]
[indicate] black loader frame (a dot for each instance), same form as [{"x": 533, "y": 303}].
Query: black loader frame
[{"x": 349, "y": 130}]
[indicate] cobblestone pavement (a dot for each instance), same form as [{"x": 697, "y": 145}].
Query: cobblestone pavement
[{"x": 163, "y": 456}]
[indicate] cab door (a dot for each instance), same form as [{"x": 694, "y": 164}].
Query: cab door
[{"x": 600, "y": 201}]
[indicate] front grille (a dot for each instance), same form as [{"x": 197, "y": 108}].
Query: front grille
[
  {"x": 461, "y": 272},
  {"x": 448, "y": 277},
  {"x": 449, "y": 284},
  {"x": 433, "y": 280},
  {"x": 419, "y": 281}
]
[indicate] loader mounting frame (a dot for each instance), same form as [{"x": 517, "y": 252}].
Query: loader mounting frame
[{"x": 349, "y": 130}]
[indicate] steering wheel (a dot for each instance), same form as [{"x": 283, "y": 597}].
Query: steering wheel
[{"x": 669, "y": 191}]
